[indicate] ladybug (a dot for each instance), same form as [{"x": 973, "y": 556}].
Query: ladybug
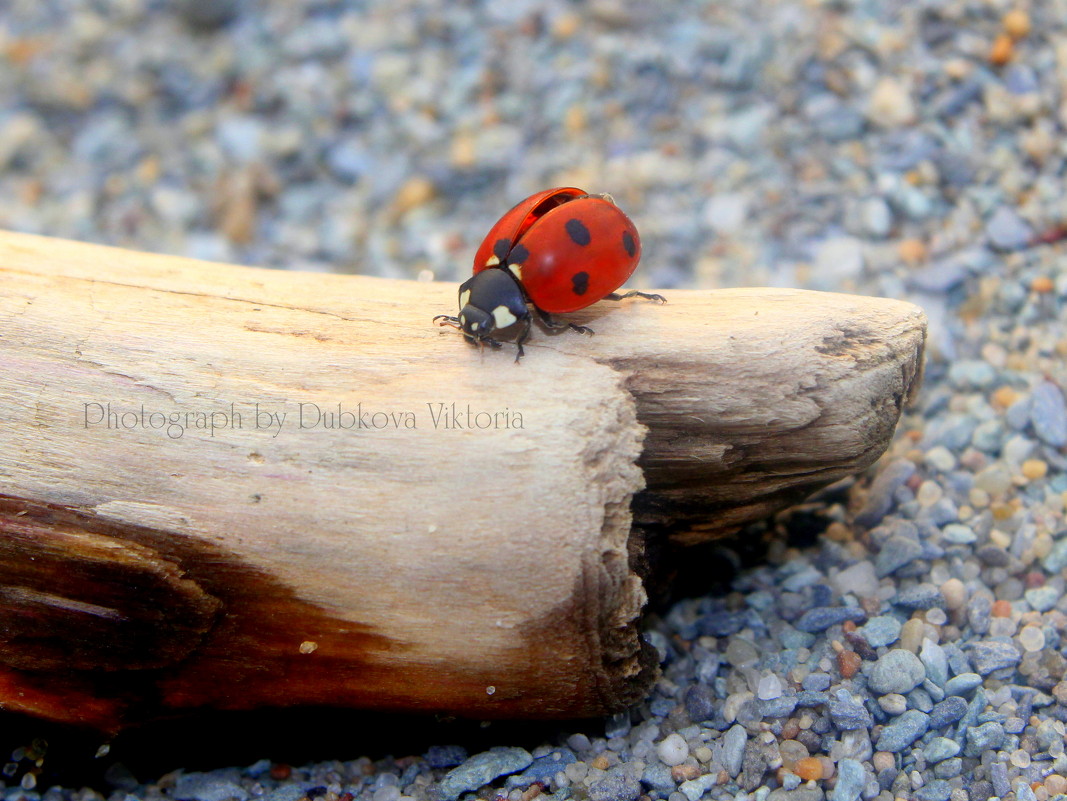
[{"x": 557, "y": 251}]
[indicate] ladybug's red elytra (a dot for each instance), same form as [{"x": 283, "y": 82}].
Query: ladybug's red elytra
[{"x": 558, "y": 251}]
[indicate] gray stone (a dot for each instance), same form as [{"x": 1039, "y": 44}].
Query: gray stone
[
  {"x": 989, "y": 736},
  {"x": 898, "y": 671},
  {"x": 949, "y": 768},
  {"x": 699, "y": 703},
  {"x": 822, "y": 617},
  {"x": 446, "y": 756},
  {"x": 846, "y": 713},
  {"x": 617, "y": 785},
  {"x": 934, "y": 790},
  {"x": 903, "y": 731},
  {"x": 816, "y": 681},
  {"x": 940, "y": 748},
  {"x": 919, "y": 596},
  {"x": 733, "y": 749},
  {"x": 482, "y": 768},
  {"x": 876, "y": 217},
  {"x": 1007, "y": 231},
  {"x": 780, "y": 707},
  {"x": 214, "y": 786},
  {"x": 1042, "y": 599},
  {"x": 850, "y": 781},
  {"x": 990, "y": 655},
  {"x": 998, "y": 775},
  {"x": 881, "y": 630},
  {"x": 544, "y": 768},
  {"x": 284, "y": 792},
  {"x": 958, "y": 534},
  {"x": 695, "y": 788},
  {"x": 971, "y": 374},
  {"x": 962, "y": 684},
  {"x": 896, "y": 553},
  {"x": 1048, "y": 414},
  {"x": 1057, "y": 557},
  {"x": 657, "y": 777},
  {"x": 935, "y": 660}
]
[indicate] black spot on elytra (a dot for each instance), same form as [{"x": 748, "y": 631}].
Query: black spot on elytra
[
  {"x": 580, "y": 282},
  {"x": 518, "y": 255},
  {"x": 578, "y": 233},
  {"x": 501, "y": 248},
  {"x": 628, "y": 244}
]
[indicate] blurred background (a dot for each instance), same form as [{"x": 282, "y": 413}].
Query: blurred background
[{"x": 896, "y": 148}]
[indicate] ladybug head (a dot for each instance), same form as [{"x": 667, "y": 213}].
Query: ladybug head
[{"x": 489, "y": 302}]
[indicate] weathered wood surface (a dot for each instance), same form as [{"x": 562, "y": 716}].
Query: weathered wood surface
[{"x": 170, "y": 542}]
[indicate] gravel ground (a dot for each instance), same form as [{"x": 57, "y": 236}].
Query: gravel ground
[{"x": 911, "y": 645}]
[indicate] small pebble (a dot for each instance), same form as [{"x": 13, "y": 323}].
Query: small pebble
[
  {"x": 986, "y": 737},
  {"x": 672, "y": 750},
  {"x": 850, "y": 781},
  {"x": 881, "y": 630},
  {"x": 947, "y": 712},
  {"x": 1032, "y": 638},
  {"x": 903, "y": 731},
  {"x": 991, "y": 655}
]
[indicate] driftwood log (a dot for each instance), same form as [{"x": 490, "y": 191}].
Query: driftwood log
[{"x": 226, "y": 487}]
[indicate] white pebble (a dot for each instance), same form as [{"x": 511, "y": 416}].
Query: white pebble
[
  {"x": 673, "y": 750},
  {"x": 1032, "y": 638},
  {"x": 770, "y": 687}
]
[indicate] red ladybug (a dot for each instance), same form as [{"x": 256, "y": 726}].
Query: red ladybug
[{"x": 559, "y": 250}]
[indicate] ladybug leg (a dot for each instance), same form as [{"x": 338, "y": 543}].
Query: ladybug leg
[
  {"x": 522, "y": 337},
  {"x": 444, "y": 319},
  {"x": 553, "y": 324},
  {"x": 633, "y": 293}
]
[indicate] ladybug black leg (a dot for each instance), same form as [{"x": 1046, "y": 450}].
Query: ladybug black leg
[
  {"x": 444, "y": 319},
  {"x": 633, "y": 293},
  {"x": 522, "y": 337},
  {"x": 553, "y": 324}
]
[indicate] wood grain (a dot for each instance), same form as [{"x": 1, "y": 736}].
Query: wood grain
[{"x": 459, "y": 540}]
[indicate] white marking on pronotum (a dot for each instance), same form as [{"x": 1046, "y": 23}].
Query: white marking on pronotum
[
  {"x": 474, "y": 326},
  {"x": 464, "y": 298},
  {"x": 503, "y": 316},
  {"x": 492, "y": 261},
  {"x": 516, "y": 270}
]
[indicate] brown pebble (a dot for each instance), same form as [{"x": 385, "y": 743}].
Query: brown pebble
[
  {"x": 790, "y": 729},
  {"x": 1016, "y": 23},
  {"x": 280, "y": 771},
  {"x": 1003, "y": 397},
  {"x": 883, "y": 760},
  {"x": 912, "y": 251},
  {"x": 532, "y": 791},
  {"x": 415, "y": 192},
  {"x": 848, "y": 663},
  {"x": 1042, "y": 284},
  {"x": 848, "y": 626},
  {"x": 808, "y": 769},
  {"x": 601, "y": 763},
  {"x": 684, "y": 772},
  {"x": 871, "y": 605},
  {"x": 1034, "y": 579},
  {"x": 1001, "y": 609},
  {"x": 1001, "y": 51}
]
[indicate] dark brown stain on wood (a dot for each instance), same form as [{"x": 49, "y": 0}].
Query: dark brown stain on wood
[{"x": 104, "y": 624}]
